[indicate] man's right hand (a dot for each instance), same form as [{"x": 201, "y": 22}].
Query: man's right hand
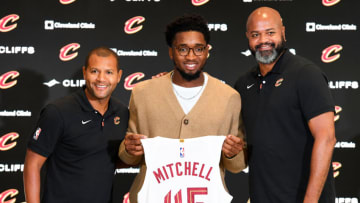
[{"x": 133, "y": 145}]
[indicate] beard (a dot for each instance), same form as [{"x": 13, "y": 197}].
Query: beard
[
  {"x": 268, "y": 56},
  {"x": 189, "y": 77}
]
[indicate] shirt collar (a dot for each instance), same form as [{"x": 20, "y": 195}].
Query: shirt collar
[{"x": 85, "y": 104}]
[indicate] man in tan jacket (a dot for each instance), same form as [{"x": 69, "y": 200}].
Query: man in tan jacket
[{"x": 185, "y": 103}]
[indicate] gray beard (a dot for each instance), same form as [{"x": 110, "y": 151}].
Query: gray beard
[
  {"x": 266, "y": 57},
  {"x": 269, "y": 56}
]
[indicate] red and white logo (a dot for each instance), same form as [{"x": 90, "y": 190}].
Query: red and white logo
[
  {"x": 4, "y": 84},
  {"x": 129, "y": 25},
  {"x": 126, "y": 198},
  {"x": 117, "y": 120},
  {"x": 330, "y": 2},
  {"x": 209, "y": 48},
  {"x": 66, "y": 1},
  {"x": 4, "y": 27},
  {"x": 279, "y": 82},
  {"x": 64, "y": 52},
  {"x": 10, "y": 193},
  {"x": 199, "y": 2},
  {"x": 128, "y": 84},
  {"x": 336, "y": 166},
  {"x": 331, "y": 50},
  {"x": 338, "y": 109},
  {"x": 4, "y": 146}
]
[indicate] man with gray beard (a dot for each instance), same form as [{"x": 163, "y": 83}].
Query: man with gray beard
[{"x": 288, "y": 113}]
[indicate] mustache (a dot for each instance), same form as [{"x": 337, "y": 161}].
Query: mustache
[{"x": 267, "y": 43}]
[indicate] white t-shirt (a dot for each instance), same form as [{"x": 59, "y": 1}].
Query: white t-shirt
[{"x": 189, "y": 92}]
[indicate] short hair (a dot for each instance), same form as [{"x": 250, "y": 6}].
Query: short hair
[
  {"x": 187, "y": 22},
  {"x": 103, "y": 52}
]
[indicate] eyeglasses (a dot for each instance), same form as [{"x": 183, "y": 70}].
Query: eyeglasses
[{"x": 184, "y": 50}]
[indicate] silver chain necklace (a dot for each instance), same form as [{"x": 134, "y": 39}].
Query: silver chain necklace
[{"x": 182, "y": 97}]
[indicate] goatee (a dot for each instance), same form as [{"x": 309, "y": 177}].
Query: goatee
[
  {"x": 268, "y": 56},
  {"x": 189, "y": 77}
]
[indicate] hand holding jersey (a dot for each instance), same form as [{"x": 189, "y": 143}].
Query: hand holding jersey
[
  {"x": 133, "y": 144},
  {"x": 231, "y": 147}
]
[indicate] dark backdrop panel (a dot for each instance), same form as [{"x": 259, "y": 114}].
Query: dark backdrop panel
[{"x": 32, "y": 73}]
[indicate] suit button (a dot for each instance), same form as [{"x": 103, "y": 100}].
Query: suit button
[{"x": 186, "y": 121}]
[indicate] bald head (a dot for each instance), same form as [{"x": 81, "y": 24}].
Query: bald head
[
  {"x": 264, "y": 15},
  {"x": 266, "y": 35}
]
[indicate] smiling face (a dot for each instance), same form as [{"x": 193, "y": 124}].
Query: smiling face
[
  {"x": 266, "y": 35},
  {"x": 101, "y": 76},
  {"x": 190, "y": 65}
]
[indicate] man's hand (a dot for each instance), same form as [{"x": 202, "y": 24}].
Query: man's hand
[
  {"x": 232, "y": 146},
  {"x": 133, "y": 145}
]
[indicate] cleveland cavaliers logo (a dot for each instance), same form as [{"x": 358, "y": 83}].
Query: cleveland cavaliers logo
[
  {"x": 7, "y": 194},
  {"x": 64, "y": 52},
  {"x": 279, "y": 82},
  {"x": 128, "y": 84},
  {"x": 199, "y": 2},
  {"x": 129, "y": 25},
  {"x": 336, "y": 166},
  {"x": 117, "y": 120},
  {"x": 209, "y": 48},
  {"x": 331, "y": 54},
  {"x": 4, "y": 83},
  {"x": 66, "y": 1},
  {"x": 330, "y": 2},
  {"x": 338, "y": 109},
  {"x": 5, "y": 141},
  {"x": 5, "y": 21}
]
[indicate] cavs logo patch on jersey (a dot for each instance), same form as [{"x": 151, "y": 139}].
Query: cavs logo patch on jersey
[
  {"x": 279, "y": 82},
  {"x": 117, "y": 120}
]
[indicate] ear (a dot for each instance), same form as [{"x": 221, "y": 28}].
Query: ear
[
  {"x": 247, "y": 35},
  {"x": 171, "y": 53},
  {"x": 119, "y": 75},
  {"x": 84, "y": 72},
  {"x": 283, "y": 32}
]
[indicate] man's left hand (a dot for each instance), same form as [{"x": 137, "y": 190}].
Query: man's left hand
[{"x": 232, "y": 146}]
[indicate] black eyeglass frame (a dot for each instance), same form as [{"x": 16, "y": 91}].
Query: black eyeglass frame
[{"x": 185, "y": 53}]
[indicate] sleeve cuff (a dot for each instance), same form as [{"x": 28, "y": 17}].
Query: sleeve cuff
[{"x": 126, "y": 157}]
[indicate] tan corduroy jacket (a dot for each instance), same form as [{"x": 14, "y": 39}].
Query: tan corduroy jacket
[{"x": 155, "y": 111}]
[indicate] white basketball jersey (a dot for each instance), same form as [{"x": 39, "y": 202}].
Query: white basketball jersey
[{"x": 183, "y": 171}]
